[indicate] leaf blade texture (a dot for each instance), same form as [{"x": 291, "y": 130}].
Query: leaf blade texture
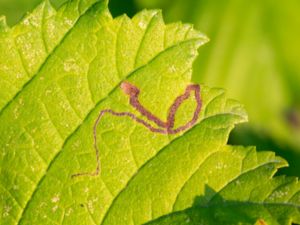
[
  {"x": 264, "y": 200},
  {"x": 28, "y": 44},
  {"x": 46, "y": 127}
]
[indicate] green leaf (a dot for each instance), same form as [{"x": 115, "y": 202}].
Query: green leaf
[
  {"x": 253, "y": 53},
  {"x": 28, "y": 45},
  {"x": 47, "y": 125},
  {"x": 15, "y": 9},
  {"x": 247, "y": 193}
]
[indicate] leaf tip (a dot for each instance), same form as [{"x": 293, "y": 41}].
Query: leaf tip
[
  {"x": 281, "y": 162},
  {"x": 47, "y": 4},
  {"x": 3, "y": 23}
]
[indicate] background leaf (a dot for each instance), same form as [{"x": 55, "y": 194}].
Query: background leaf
[{"x": 254, "y": 54}]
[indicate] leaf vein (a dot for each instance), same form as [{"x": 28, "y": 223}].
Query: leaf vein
[
  {"x": 43, "y": 64},
  {"x": 143, "y": 38}
]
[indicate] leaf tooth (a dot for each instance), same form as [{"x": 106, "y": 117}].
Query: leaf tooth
[
  {"x": 250, "y": 159},
  {"x": 3, "y": 24},
  {"x": 196, "y": 33},
  {"x": 37, "y": 13},
  {"x": 46, "y": 3},
  {"x": 145, "y": 16},
  {"x": 284, "y": 191}
]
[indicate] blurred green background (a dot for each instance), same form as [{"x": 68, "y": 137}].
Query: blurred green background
[{"x": 254, "y": 53}]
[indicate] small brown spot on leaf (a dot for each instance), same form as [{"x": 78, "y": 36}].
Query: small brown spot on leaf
[{"x": 261, "y": 222}]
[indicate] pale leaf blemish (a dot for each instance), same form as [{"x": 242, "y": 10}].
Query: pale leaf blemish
[
  {"x": 55, "y": 199},
  {"x": 172, "y": 69},
  {"x": 32, "y": 168},
  {"x": 86, "y": 190},
  {"x": 70, "y": 65},
  {"x": 6, "y": 210},
  {"x": 51, "y": 30},
  {"x": 19, "y": 75},
  {"x": 142, "y": 24},
  {"x": 48, "y": 92},
  {"x": 69, "y": 22},
  {"x": 90, "y": 206},
  {"x": 54, "y": 208},
  {"x": 69, "y": 211},
  {"x": 220, "y": 166},
  {"x": 188, "y": 220},
  {"x": 21, "y": 101},
  {"x": 16, "y": 112},
  {"x": 43, "y": 204},
  {"x": 26, "y": 22}
]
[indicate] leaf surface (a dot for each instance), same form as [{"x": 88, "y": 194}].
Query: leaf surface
[
  {"x": 29, "y": 44},
  {"x": 58, "y": 105},
  {"x": 47, "y": 127}
]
